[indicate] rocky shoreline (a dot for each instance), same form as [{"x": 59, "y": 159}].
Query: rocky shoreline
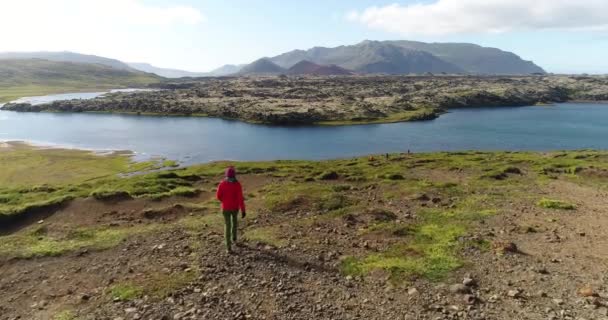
[{"x": 335, "y": 100}]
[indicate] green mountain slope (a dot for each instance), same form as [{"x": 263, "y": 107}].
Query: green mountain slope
[
  {"x": 474, "y": 58},
  {"x": 65, "y": 56},
  {"x": 401, "y": 57},
  {"x": 27, "y": 77},
  {"x": 371, "y": 57},
  {"x": 261, "y": 67}
]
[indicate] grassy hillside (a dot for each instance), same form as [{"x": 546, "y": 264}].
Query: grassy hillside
[
  {"x": 28, "y": 77},
  {"x": 468, "y": 230},
  {"x": 65, "y": 56}
]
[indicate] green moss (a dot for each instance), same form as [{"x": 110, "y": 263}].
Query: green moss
[
  {"x": 163, "y": 285},
  {"x": 103, "y": 194},
  {"x": 197, "y": 224},
  {"x": 125, "y": 292},
  {"x": 32, "y": 206},
  {"x": 170, "y": 164},
  {"x": 555, "y": 204},
  {"x": 389, "y": 229},
  {"x": 267, "y": 235},
  {"x": 184, "y": 192},
  {"x": 342, "y": 187},
  {"x": 177, "y": 192},
  {"x": 65, "y": 315},
  {"x": 24, "y": 165},
  {"x": 284, "y": 197},
  {"x": 329, "y": 175},
  {"x": 431, "y": 250},
  {"x": 37, "y": 244},
  {"x": 33, "y": 178}
]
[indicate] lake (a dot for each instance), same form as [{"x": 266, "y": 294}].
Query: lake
[{"x": 195, "y": 140}]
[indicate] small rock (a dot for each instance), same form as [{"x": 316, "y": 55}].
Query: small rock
[
  {"x": 542, "y": 270},
  {"x": 469, "y": 299},
  {"x": 558, "y": 302},
  {"x": 130, "y": 310},
  {"x": 412, "y": 291},
  {"x": 459, "y": 288},
  {"x": 422, "y": 197},
  {"x": 469, "y": 282},
  {"x": 503, "y": 247},
  {"x": 515, "y": 293},
  {"x": 586, "y": 291}
]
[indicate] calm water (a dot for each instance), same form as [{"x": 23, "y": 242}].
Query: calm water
[
  {"x": 69, "y": 96},
  {"x": 194, "y": 140}
]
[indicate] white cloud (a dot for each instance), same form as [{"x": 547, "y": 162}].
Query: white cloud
[
  {"x": 88, "y": 12},
  {"x": 124, "y": 29},
  {"x": 445, "y": 17},
  {"x": 135, "y": 12}
]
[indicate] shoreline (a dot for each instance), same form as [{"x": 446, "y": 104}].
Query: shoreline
[
  {"x": 9, "y": 145},
  {"x": 331, "y": 123},
  {"x": 423, "y": 115}
]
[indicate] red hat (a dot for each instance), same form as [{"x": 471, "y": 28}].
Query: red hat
[{"x": 230, "y": 172}]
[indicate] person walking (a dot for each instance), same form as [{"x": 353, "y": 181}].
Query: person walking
[{"x": 230, "y": 194}]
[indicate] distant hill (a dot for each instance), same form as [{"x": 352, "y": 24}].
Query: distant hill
[
  {"x": 306, "y": 67},
  {"x": 402, "y": 57},
  {"x": 474, "y": 58},
  {"x": 65, "y": 56},
  {"x": 26, "y": 77},
  {"x": 261, "y": 67},
  {"x": 225, "y": 70},
  {"x": 165, "y": 72}
]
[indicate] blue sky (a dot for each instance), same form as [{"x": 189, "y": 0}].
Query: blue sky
[{"x": 559, "y": 35}]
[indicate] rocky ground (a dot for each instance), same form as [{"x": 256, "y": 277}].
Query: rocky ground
[
  {"x": 337, "y": 100},
  {"x": 429, "y": 236}
]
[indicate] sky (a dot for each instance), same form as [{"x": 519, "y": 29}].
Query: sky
[{"x": 562, "y": 36}]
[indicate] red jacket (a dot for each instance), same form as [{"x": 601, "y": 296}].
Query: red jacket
[{"x": 231, "y": 196}]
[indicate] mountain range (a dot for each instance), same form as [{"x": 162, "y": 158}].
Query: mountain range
[
  {"x": 225, "y": 70},
  {"x": 404, "y": 57},
  {"x": 367, "y": 57}
]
